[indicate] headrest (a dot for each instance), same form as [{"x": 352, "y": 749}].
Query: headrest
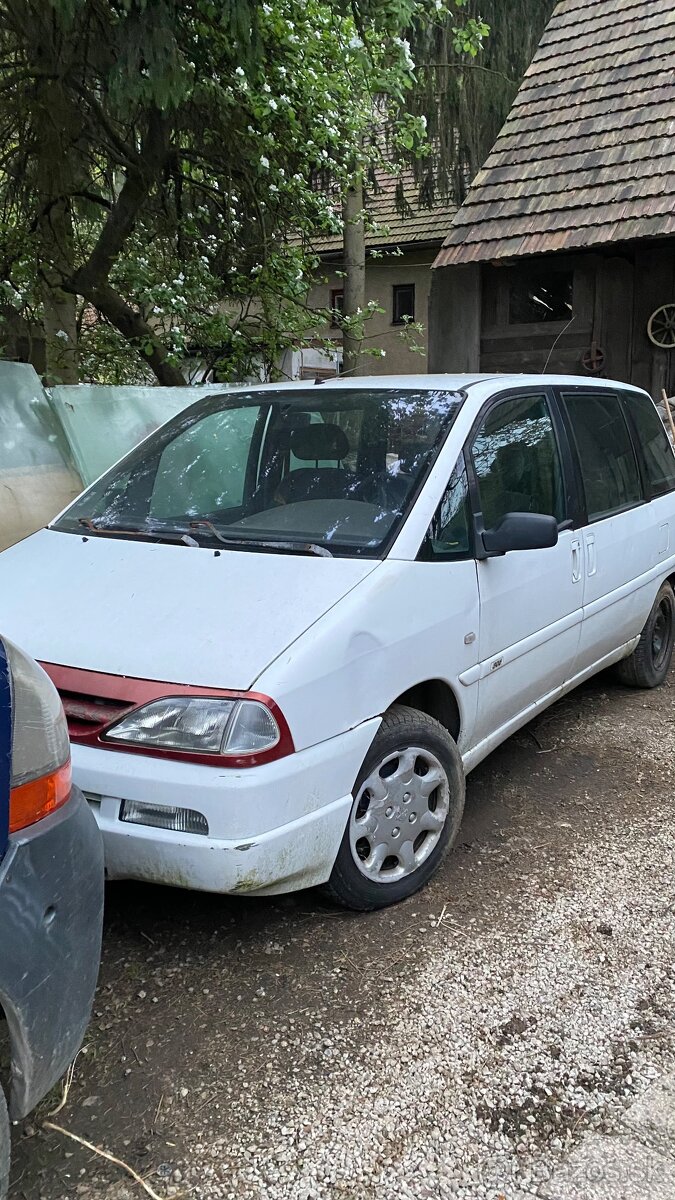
[{"x": 315, "y": 442}]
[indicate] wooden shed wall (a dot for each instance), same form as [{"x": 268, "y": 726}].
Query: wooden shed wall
[{"x": 614, "y": 294}]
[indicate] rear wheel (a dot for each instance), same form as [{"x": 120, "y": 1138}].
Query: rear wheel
[
  {"x": 650, "y": 661},
  {"x": 408, "y": 804},
  {"x": 4, "y": 1147}
]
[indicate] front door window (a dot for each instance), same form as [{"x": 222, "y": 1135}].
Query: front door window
[{"x": 516, "y": 460}]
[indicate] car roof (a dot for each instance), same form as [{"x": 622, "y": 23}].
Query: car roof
[{"x": 454, "y": 383}]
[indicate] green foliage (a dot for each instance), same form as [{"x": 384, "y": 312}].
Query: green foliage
[
  {"x": 467, "y": 99},
  {"x": 159, "y": 162}
]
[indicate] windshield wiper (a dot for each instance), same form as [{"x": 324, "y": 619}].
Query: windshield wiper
[
  {"x": 144, "y": 534},
  {"x": 262, "y": 544}
]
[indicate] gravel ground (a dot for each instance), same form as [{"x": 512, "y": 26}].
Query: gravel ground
[{"x": 456, "y": 1046}]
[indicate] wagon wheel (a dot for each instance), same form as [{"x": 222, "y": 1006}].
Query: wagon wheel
[
  {"x": 593, "y": 360},
  {"x": 661, "y": 327}
]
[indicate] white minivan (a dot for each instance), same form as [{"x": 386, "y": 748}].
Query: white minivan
[{"x": 287, "y": 625}]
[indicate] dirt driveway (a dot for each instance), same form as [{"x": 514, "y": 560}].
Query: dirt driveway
[{"x": 451, "y": 1047}]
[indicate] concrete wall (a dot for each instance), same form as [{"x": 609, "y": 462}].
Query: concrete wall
[{"x": 413, "y": 266}]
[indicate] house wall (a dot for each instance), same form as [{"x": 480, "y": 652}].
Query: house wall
[
  {"x": 614, "y": 294},
  {"x": 412, "y": 266}
]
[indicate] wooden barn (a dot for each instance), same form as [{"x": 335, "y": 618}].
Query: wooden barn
[{"x": 562, "y": 257}]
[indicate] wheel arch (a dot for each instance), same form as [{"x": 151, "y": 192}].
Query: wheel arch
[
  {"x": 5, "y": 1052},
  {"x": 16, "y": 1060},
  {"x": 436, "y": 698}
]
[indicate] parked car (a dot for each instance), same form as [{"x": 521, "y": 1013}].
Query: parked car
[
  {"x": 287, "y": 625},
  {"x": 51, "y": 893}
]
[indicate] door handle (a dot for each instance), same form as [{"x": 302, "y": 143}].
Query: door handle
[
  {"x": 591, "y": 561},
  {"x": 576, "y": 561}
]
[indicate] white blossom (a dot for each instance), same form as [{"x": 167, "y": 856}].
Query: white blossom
[{"x": 405, "y": 47}]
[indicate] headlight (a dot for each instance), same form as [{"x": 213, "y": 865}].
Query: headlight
[
  {"x": 200, "y": 725},
  {"x": 41, "y": 778}
]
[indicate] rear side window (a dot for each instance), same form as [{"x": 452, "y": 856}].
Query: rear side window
[
  {"x": 656, "y": 450},
  {"x": 608, "y": 465}
]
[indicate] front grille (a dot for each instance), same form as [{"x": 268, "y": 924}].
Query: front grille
[{"x": 90, "y": 715}]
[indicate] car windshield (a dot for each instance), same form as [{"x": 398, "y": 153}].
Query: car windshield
[{"x": 325, "y": 470}]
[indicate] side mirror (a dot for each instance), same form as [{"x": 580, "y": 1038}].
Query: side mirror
[{"x": 521, "y": 531}]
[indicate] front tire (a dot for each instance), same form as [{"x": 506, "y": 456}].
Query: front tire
[
  {"x": 4, "y": 1147},
  {"x": 649, "y": 664},
  {"x": 408, "y": 805}
]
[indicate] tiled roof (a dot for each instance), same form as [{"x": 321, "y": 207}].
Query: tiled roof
[
  {"x": 420, "y": 225},
  {"x": 587, "y": 154}
]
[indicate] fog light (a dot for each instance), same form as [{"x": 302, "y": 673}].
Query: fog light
[{"x": 161, "y": 816}]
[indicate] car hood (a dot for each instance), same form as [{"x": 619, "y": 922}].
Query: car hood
[{"x": 176, "y": 614}]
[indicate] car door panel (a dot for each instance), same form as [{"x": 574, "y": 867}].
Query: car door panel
[
  {"x": 620, "y": 533},
  {"x": 531, "y": 612},
  {"x": 531, "y": 601},
  {"x": 618, "y": 556}
]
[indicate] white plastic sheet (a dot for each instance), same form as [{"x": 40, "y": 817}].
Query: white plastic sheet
[
  {"x": 36, "y": 477},
  {"x": 103, "y": 423},
  {"x": 53, "y": 443}
]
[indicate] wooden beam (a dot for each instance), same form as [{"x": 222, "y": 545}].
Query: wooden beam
[{"x": 455, "y": 319}]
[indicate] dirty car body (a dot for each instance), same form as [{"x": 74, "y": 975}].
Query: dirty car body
[
  {"x": 237, "y": 605},
  {"x": 51, "y": 886}
]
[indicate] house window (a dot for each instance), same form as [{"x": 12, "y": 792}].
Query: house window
[
  {"x": 403, "y": 308},
  {"x": 542, "y": 295},
  {"x": 337, "y": 306}
]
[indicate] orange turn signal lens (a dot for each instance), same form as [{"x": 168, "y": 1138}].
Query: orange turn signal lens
[{"x": 32, "y": 801}]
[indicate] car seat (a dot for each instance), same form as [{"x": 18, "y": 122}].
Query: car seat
[{"x": 318, "y": 444}]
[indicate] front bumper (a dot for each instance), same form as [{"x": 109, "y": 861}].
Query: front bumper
[
  {"x": 272, "y": 828},
  {"x": 51, "y": 914}
]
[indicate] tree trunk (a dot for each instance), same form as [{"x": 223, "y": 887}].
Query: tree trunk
[
  {"x": 133, "y": 326},
  {"x": 91, "y": 280},
  {"x": 58, "y": 128},
  {"x": 59, "y": 322},
  {"x": 354, "y": 299},
  {"x": 59, "y": 309}
]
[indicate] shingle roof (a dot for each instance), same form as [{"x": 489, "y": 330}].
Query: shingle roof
[
  {"x": 421, "y": 225},
  {"x": 586, "y": 155}
]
